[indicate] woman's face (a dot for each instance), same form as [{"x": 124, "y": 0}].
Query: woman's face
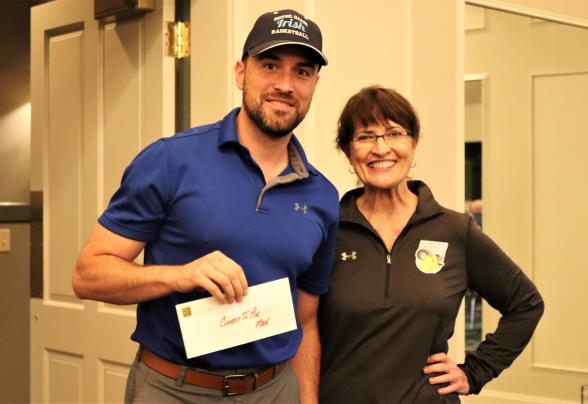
[{"x": 381, "y": 155}]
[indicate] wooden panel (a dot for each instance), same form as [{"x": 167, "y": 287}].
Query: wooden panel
[
  {"x": 112, "y": 378},
  {"x": 560, "y": 219},
  {"x": 64, "y": 377},
  {"x": 474, "y": 18},
  {"x": 113, "y": 329},
  {"x": 62, "y": 157},
  {"x": 122, "y": 84},
  {"x": 474, "y": 111}
]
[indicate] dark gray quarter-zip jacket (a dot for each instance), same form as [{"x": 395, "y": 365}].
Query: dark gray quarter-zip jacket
[{"x": 386, "y": 311}]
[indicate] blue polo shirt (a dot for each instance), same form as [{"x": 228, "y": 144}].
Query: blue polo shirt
[{"x": 201, "y": 191}]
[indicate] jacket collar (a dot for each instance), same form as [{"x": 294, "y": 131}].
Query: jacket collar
[{"x": 427, "y": 206}]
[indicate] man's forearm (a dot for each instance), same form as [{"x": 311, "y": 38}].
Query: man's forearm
[
  {"x": 114, "y": 280},
  {"x": 105, "y": 271}
]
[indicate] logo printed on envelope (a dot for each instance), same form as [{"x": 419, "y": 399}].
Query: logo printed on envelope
[
  {"x": 186, "y": 312},
  {"x": 209, "y": 326}
]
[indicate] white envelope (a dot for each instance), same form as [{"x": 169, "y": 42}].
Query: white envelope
[{"x": 209, "y": 326}]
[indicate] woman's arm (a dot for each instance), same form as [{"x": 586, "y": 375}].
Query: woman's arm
[{"x": 499, "y": 281}]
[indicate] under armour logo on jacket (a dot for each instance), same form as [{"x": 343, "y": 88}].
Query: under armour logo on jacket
[
  {"x": 352, "y": 256},
  {"x": 299, "y": 207}
]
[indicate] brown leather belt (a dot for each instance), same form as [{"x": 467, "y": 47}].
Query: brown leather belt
[{"x": 230, "y": 385}]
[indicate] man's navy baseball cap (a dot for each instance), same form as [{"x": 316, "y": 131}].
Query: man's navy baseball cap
[{"x": 284, "y": 27}]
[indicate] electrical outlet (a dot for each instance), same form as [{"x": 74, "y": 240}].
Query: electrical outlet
[{"x": 4, "y": 240}]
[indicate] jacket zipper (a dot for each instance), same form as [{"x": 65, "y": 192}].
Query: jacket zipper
[{"x": 388, "y": 270}]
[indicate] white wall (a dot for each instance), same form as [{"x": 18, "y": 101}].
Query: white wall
[{"x": 535, "y": 135}]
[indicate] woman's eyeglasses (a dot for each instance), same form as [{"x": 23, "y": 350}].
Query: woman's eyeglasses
[{"x": 391, "y": 137}]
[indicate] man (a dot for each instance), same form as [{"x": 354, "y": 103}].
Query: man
[{"x": 218, "y": 208}]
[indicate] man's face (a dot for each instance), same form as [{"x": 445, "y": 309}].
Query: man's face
[{"x": 277, "y": 88}]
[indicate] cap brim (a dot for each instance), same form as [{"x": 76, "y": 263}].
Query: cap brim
[{"x": 256, "y": 50}]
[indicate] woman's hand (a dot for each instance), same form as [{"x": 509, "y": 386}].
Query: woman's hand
[{"x": 457, "y": 379}]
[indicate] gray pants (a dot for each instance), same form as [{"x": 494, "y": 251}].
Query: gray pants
[{"x": 145, "y": 385}]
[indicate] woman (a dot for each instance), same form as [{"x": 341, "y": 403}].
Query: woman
[{"x": 402, "y": 267}]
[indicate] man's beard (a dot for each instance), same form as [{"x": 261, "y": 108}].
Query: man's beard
[{"x": 279, "y": 125}]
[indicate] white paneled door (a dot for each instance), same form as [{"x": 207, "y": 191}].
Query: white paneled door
[{"x": 100, "y": 91}]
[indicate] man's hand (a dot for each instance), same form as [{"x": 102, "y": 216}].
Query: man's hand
[
  {"x": 216, "y": 273},
  {"x": 457, "y": 379}
]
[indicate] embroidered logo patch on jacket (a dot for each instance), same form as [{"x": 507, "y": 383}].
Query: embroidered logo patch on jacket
[
  {"x": 430, "y": 256},
  {"x": 346, "y": 256}
]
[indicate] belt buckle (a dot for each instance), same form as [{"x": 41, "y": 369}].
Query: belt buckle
[{"x": 239, "y": 377}]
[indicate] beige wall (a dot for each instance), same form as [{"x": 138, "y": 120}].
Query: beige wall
[
  {"x": 14, "y": 312},
  {"x": 387, "y": 43},
  {"x": 14, "y": 187},
  {"x": 535, "y": 132},
  {"x": 14, "y": 102}
]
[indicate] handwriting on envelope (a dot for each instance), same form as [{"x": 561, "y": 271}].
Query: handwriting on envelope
[{"x": 208, "y": 326}]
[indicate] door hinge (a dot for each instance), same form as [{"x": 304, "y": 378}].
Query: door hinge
[{"x": 177, "y": 39}]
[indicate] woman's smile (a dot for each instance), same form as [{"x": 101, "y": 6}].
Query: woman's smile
[{"x": 381, "y": 164}]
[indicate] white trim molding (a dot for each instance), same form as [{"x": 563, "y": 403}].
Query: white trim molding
[
  {"x": 476, "y": 77},
  {"x": 529, "y": 11},
  {"x": 496, "y": 397}
]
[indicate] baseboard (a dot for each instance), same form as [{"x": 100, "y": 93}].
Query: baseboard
[{"x": 501, "y": 397}]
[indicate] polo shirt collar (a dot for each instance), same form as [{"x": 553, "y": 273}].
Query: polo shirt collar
[
  {"x": 228, "y": 128},
  {"x": 296, "y": 156}
]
